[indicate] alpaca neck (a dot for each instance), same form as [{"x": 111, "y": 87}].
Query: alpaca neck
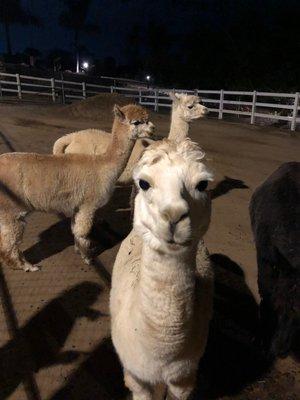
[
  {"x": 119, "y": 148},
  {"x": 179, "y": 128},
  {"x": 166, "y": 290}
]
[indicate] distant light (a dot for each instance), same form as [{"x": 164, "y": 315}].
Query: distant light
[
  {"x": 85, "y": 65},
  {"x": 148, "y": 77}
]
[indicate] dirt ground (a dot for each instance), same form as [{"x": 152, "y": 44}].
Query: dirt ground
[{"x": 54, "y": 324}]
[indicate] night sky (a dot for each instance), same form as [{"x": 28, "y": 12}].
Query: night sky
[
  {"x": 238, "y": 44},
  {"x": 116, "y": 18}
]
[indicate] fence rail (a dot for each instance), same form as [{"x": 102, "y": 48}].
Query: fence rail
[{"x": 281, "y": 106}]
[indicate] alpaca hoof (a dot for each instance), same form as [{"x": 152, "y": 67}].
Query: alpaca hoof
[{"x": 31, "y": 268}]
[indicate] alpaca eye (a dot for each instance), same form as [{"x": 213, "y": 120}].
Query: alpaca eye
[
  {"x": 202, "y": 185},
  {"x": 136, "y": 122},
  {"x": 144, "y": 185},
  {"x": 191, "y": 106}
]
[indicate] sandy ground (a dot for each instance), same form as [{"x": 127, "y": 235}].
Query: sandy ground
[{"x": 54, "y": 327}]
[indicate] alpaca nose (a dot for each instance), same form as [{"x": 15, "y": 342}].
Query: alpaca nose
[{"x": 174, "y": 215}]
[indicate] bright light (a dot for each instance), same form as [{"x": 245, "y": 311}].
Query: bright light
[
  {"x": 148, "y": 77},
  {"x": 85, "y": 65}
]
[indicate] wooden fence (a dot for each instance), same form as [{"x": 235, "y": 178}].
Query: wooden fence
[{"x": 254, "y": 105}]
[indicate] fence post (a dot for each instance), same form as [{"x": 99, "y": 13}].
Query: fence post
[
  {"x": 53, "y": 90},
  {"x": 196, "y": 92},
  {"x": 140, "y": 97},
  {"x": 295, "y": 112},
  {"x": 111, "y": 89},
  {"x": 84, "y": 90},
  {"x": 156, "y": 101},
  {"x": 18, "y": 79},
  {"x": 63, "y": 96},
  {"x": 253, "y": 109},
  {"x": 221, "y": 104}
]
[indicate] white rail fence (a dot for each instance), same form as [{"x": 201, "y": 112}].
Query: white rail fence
[{"x": 277, "y": 106}]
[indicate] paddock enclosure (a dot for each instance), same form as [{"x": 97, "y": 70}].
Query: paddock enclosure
[
  {"x": 54, "y": 324},
  {"x": 255, "y": 107}
]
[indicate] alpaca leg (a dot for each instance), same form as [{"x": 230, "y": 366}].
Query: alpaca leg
[
  {"x": 81, "y": 227},
  {"x": 181, "y": 389},
  {"x": 159, "y": 392},
  {"x": 140, "y": 390},
  {"x": 11, "y": 234}
]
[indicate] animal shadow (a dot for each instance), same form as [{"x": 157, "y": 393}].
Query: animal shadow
[
  {"x": 232, "y": 360},
  {"x": 49, "y": 244},
  {"x": 38, "y": 344},
  {"x": 99, "y": 376},
  {"x": 112, "y": 224},
  {"x": 226, "y": 185}
]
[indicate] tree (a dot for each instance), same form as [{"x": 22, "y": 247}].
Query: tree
[
  {"x": 12, "y": 12},
  {"x": 74, "y": 17},
  {"x": 32, "y": 55}
]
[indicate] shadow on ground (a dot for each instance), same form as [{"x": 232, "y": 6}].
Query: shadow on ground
[
  {"x": 38, "y": 344},
  {"x": 230, "y": 363},
  {"x": 231, "y": 360},
  {"x": 226, "y": 185},
  {"x": 48, "y": 244},
  {"x": 111, "y": 226},
  {"x": 99, "y": 377}
]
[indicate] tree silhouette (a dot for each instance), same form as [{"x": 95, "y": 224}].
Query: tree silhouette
[
  {"x": 12, "y": 12},
  {"x": 74, "y": 17}
]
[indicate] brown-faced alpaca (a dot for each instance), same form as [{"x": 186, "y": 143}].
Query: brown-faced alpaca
[
  {"x": 73, "y": 184},
  {"x": 161, "y": 298},
  {"x": 96, "y": 141},
  {"x": 185, "y": 109}
]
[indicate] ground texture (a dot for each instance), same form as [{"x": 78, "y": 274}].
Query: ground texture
[{"x": 54, "y": 324}]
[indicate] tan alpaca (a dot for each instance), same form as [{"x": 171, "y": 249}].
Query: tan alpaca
[
  {"x": 73, "y": 184},
  {"x": 95, "y": 141},
  {"x": 161, "y": 297},
  {"x": 185, "y": 108}
]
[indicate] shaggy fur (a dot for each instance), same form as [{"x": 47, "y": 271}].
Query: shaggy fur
[
  {"x": 72, "y": 184},
  {"x": 161, "y": 297},
  {"x": 275, "y": 219}
]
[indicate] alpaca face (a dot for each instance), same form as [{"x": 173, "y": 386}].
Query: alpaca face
[
  {"x": 141, "y": 128},
  {"x": 189, "y": 107},
  {"x": 172, "y": 208},
  {"x": 136, "y": 119}
]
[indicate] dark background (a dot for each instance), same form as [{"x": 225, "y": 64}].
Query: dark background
[{"x": 208, "y": 44}]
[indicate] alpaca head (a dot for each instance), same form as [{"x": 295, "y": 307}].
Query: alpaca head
[
  {"x": 188, "y": 107},
  {"x": 136, "y": 118},
  {"x": 172, "y": 207}
]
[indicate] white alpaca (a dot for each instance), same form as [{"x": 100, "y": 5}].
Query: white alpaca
[
  {"x": 161, "y": 296},
  {"x": 185, "y": 108},
  {"x": 73, "y": 184}
]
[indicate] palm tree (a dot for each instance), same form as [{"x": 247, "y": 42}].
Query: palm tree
[
  {"x": 12, "y": 12},
  {"x": 74, "y": 17}
]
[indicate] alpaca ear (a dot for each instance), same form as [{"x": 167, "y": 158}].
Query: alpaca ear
[
  {"x": 174, "y": 96},
  {"x": 118, "y": 112}
]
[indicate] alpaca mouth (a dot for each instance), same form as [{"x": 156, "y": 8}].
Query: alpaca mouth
[{"x": 173, "y": 244}]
